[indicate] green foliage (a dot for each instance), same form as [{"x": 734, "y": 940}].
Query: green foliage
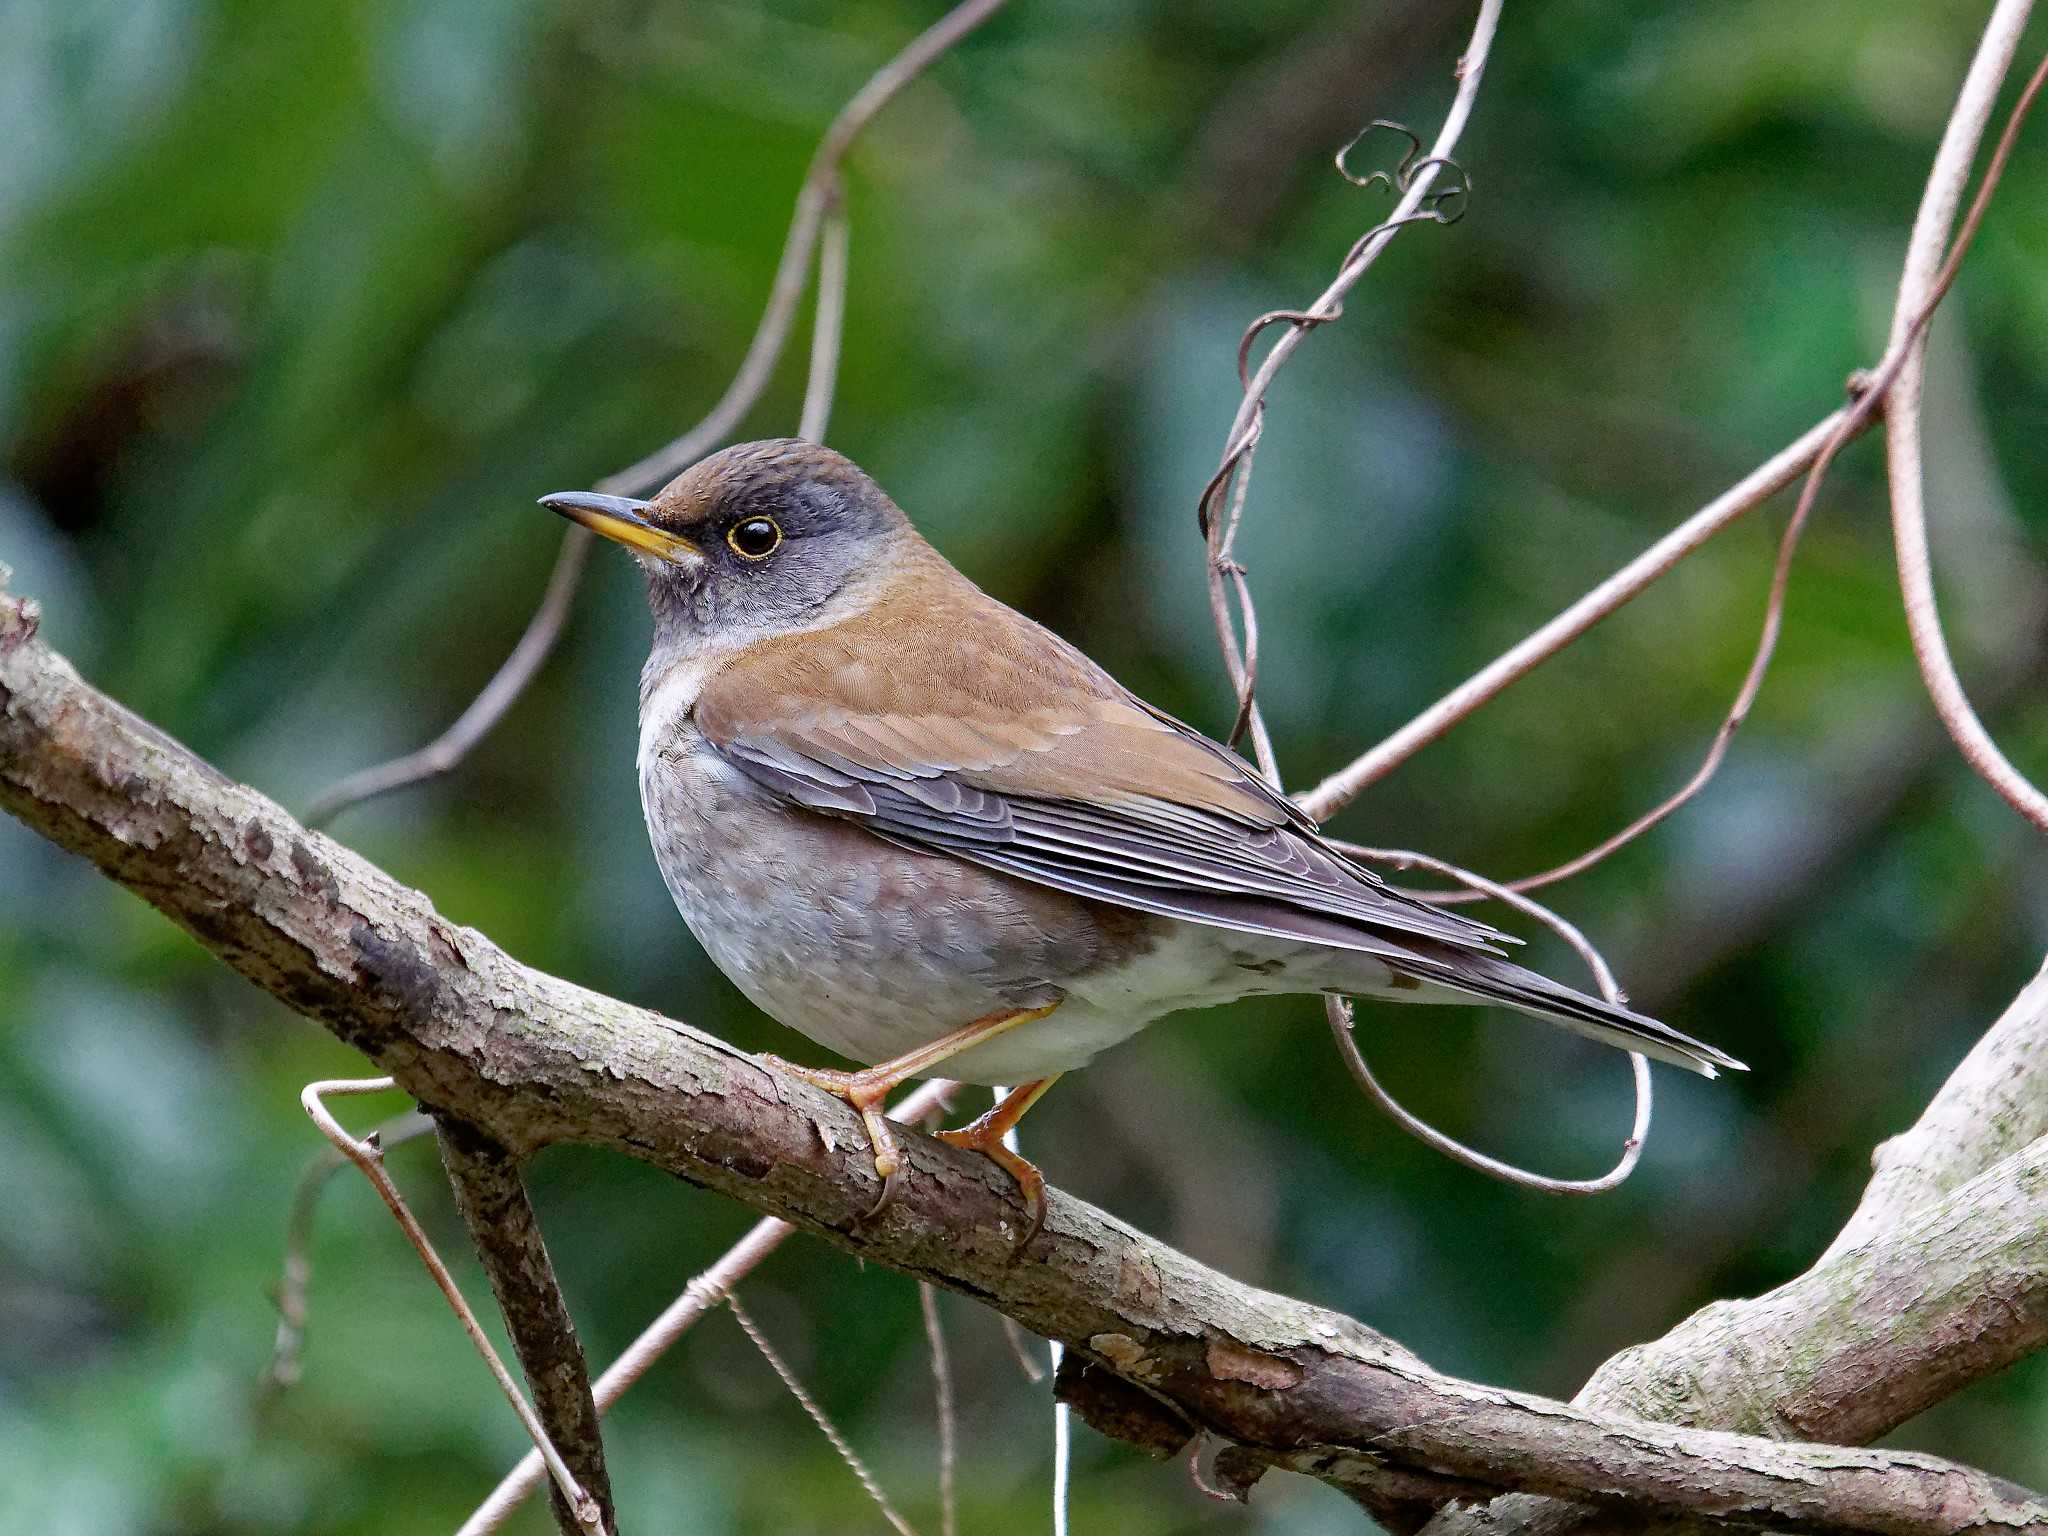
[{"x": 302, "y": 304}]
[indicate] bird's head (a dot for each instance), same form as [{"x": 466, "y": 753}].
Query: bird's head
[{"x": 755, "y": 540}]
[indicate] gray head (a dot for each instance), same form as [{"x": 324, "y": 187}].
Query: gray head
[{"x": 757, "y": 539}]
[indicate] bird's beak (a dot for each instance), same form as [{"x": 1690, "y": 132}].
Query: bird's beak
[{"x": 624, "y": 521}]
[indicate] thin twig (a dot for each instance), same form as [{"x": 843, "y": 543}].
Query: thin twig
[
  {"x": 1878, "y": 387},
  {"x": 367, "y": 1156},
  {"x": 1827, "y": 436},
  {"x": 1752, "y": 680},
  {"x": 757, "y": 365},
  {"x": 1221, "y": 514},
  {"x": 1519, "y": 660},
  {"x": 818, "y": 1417},
  {"x": 1920, "y": 288},
  {"x": 942, "y": 1392},
  {"x": 1420, "y": 199},
  {"x": 826, "y": 327},
  {"x": 1203, "y": 1486},
  {"x": 817, "y": 198},
  {"x": 295, "y": 1277},
  {"x": 440, "y": 755},
  {"x": 703, "y": 1293},
  {"x": 1020, "y": 1350},
  {"x": 1338, "y": 1011}
]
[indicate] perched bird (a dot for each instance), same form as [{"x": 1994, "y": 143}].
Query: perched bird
[{"x": 925, "y": 831}]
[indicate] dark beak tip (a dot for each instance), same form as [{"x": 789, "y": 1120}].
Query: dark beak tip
[{"x": 572, "y": 502}]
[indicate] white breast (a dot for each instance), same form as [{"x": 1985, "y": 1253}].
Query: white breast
[{"x": 664, "y": 706}]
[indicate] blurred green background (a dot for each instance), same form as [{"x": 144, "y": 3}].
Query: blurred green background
[{"x": 302, "y": 304}]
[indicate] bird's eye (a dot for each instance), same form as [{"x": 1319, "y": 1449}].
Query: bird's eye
[{"x": 754, "y": 538}]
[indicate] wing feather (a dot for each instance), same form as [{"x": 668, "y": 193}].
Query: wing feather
[{"x": 1045, "y": 768}]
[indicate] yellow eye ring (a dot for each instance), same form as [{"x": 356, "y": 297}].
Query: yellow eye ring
[{"x": 754, "y": 538}]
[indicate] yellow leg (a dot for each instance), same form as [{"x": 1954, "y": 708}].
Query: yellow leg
[
  {"x": 986, "y": 1137},
  {"x": 866, "y": 1089}
]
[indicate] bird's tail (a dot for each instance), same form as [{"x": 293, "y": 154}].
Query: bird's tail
[{"x": 1524, "y": 990}]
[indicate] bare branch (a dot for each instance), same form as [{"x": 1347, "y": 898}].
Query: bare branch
[
  {"x": 826, "y": 329},
  {"x": 1273, "y": 114},
  {"x": 818, "y": 196},
  {"x": 578, "y": 1510},
  {"x": 1020, "y": 1350},
  {"x": 1338, "y": 1011},
  {"x": 1221, "y": 508},
  {"x": 440, "y": 755},
  {"x": 1654, "y": 563},
  {"x": 1993, "y": 1105},
  {"x": 942, "y": 1394},
  {"x": 491, "y": 1195},
  {"x": 296, "y": 1272},
  {"x": 1920, "y": 288},
  {"x": 704, "y": 1292},
  {"x": 1791, "y": 1362},
  {"x": 1752, "y": 679},
  {"x": 1157, "y": 1344},
  {"x": 817, "y": 1416}
]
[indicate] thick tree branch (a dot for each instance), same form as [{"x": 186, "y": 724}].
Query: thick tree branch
[
  {"x": 1993, "y": 1105},
  {"x": 491, "y": 1195},
  {"x": 1170, "y": 1346},
  {"x": 1839, "y": 1354},
  {"x": 1873, "y": 1333}
]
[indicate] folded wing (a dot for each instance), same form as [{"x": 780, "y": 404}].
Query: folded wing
[
  {"x": 999, "y": 743},
  {"x": 1044, "y": 767}
]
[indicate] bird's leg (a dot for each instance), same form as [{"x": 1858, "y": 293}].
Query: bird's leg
[
  {"x": 866, "y": 1089},
  {"x": 986, "y": 1137}
]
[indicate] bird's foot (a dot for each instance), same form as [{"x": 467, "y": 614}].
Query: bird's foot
[
  {"x": 1030, "y": 1182},
  {"x": 864, "y": 1091},
  {"x": 986, "y": 1137}
]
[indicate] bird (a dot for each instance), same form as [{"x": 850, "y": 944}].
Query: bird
[{"x": 921, "y": 829}]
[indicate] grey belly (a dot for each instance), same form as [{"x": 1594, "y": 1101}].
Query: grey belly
[
  {"x": 873, "y": 949},
  {"x": 866, "y": 947}
]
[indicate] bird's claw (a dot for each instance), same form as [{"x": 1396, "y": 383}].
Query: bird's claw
[
  {"x": 982, "y": 1138},
  {"x": 892, "y": 1180},
  {"x": 863, "y": 1093}
]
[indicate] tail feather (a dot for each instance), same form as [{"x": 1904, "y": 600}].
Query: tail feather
[{"x": 1524, "y": 990}]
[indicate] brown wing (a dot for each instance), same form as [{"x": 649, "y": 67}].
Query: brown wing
[{"x": 969, "y": 730}]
